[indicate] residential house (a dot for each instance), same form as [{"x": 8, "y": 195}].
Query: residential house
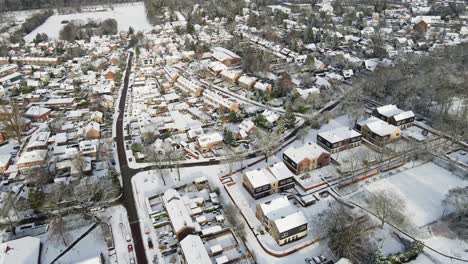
[
  {"x": 247, "y": 82},
  {"x": 283, "y": 177},
  {"x": 378, "y": 131},
  {"x": 225, "y": 56},
  {"x": 305, "y": 158},
  {"x": 394, "y": 116},
  {"x": 37, "y": 113},
  {"x": 339, "y": 139},
  {"x": 245, "y": 128},
  {"x": 97, "y": 116},
  {"x": 38, "y": 140},
  {"x": 258, "y": 183},
  {"x": 178, "y": 214},
  {"x": 209, "y": 142},
  {"x": 263, "y": 87},
  {"x": 230, "y": 76},
  {"x": 282, "y": 220},
  {"x": 194, "y": 250},
  {"x": 32, "y": 159},
  {"x": 92, "y": 130},
  {"x": 5, "y": 162}
]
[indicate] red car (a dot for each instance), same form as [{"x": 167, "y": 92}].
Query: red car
[{"x": 130, "y": 248}]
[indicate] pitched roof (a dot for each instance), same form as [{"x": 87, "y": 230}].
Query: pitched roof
[{"x": 21, "y": 251}]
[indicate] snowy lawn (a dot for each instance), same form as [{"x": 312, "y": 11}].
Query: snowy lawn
[
  {"x": 423, "y": 188},
  {"x": 127, "y": 15},
  {"x": 452, "y": 247},
  {"x": 416, "y": 133}
]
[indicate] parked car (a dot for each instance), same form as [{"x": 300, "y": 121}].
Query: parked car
[
  {"x": 130, "y": 248},
  {"x": 128, "y": 238},
  {"x": 150, "y": 243}
]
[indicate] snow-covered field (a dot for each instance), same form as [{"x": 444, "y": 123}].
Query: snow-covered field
[
  {"x": 453, "y": 247},
  {"x": 127, "y": 15},
  {"x": 423, "y": 188}
]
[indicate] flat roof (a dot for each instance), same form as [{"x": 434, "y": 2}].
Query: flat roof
[
  {"x": 260, "y": 177},
  {"x": 339, "y": 134},
  {"x": 20, "y": 251}
]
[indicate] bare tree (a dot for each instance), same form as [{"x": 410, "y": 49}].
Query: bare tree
[
  {"x": 268, "y": 143},
  {"x": 457, "y": 199},
  {"x": 233, "y": 215},
  {"x": 347, "y": 233},
  {"x": 13, "y": 121},
  {"x": 157, "y": 158},
  {"x": 7, "y": 209},
  {"x": 388, "y": 207},
  {"x": 88, "y": 193},
  {"x": 56, "y": 211},
  {"x": 231, "y": 163},
  {"x": 80, "y": 164},
  {"x": 178, "y": 156}
]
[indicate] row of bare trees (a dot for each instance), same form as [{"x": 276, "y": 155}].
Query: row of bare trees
[{"x": 349, "y": 231}]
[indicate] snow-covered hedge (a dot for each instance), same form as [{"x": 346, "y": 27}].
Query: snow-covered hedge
[{"x": 412, "y": 253}]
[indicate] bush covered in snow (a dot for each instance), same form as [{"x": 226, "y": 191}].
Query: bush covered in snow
[{"x": 412, "y": 253}]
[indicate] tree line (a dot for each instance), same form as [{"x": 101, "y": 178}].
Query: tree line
[
  {"x": 19, "y": 5},
  {"x": 73, "y": 31},
  {"x": 432, "y": 85}
]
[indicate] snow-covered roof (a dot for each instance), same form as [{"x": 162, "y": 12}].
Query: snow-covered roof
[
  {"x": 38, "y": 139},
  {"x": 93, "y": 126},
  {"x": 280, "y": 171},
  {"x": 339, "y": 134},
  {"x": 20, "y": 251},
  {"x": 262, "y": 86},
  {"x": 194, "y": 250},
  {"x": 53, "y": 101},
  {"x": 381, "y": 128},
  {"x": 259, "y": 178},
  {"x": 10, "y": 77},
  {"x": 304, "y": 93},
  {"x": 283, "y": 214},
  {"x": 175, "y": 207},
  {"x": 403, "y": 115},
  {"x": 222, "y": 54},
  {"x": 388, "y": 110},
  {"x": 246, "y": 125},
  {"x": 308, "y": 151},
  {"x": 32, "y": 156},
  {"x": 212, "y": 138},
  {"x": 4, "y": 159},
  {"x": 37, "y": 111},
  {"x": 247, "y": 80},
  {"x": 171, "y": 97},
  {"x": 93, "y": 260},
  {"x": 230, "y": 74},
  {"x": 291, "y": 221},
  {"x": 344, "y": 261}
]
